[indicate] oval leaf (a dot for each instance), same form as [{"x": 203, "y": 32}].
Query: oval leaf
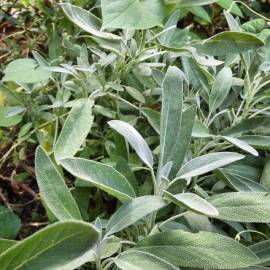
[
  {"x": 207, "y": 163},
  {"x": 192, "y": 202},
  {"x": 131, "y": 212},
  {"x": 228, "y": 43},
  {"x": 75, "y": 130},
  {"x": 221, "y": 88},
  {"x": 139, "y": 260},
  {"x": 132, "y": 14},
  {"x": 243, "y": 206},
  {"x": 55, "y": 247},
  {"x": 26, "y": 70},
  {"x": 135, "y": 140},
  {"x": 53, "y": 188},
  {"x": 200, "y": 250},
  {"x": 100, "y": 175}
]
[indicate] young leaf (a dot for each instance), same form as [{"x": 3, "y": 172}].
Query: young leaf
[
  {"x": 201, "y": 250},
  {"x": 243, "y": 206},
  {"x": 228, "y": 43},
  {"x": 75, "y": 130},
  {"x": 242, "y": 145},
  {"x": 86, "y": 21},
  {"x": 220, "y": 89},
  {"x": 100, "y": 175},
  {"x": 207, "y": 163},
  {"x": 193, "y": 202},
  {"x": 62, "y": 245},
  {"x": 139, "y": 260},
  {"x": 132, "y": 14},
  {"x": 135, "y": 139},
  {"x": 133, "y": 211},
  {"x": 53, "y": 188}
]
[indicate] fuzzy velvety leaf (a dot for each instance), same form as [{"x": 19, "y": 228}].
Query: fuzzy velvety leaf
[
  {"x": 228, "y": 43},
  {"x": 132, "y": 14},
  {"x": 133, "y": 211},
  {"x": 243, "y": 206},
  {"x": 200, "y": 250},
  {"x": 86, "y": 21},
  {"x": 139, "y": 260},
  {"x": 220, "y": 89},
  {"x": 8, "y": 121},
  {"x": 153, "y": 118},
  {"x": 207, "y": 163},
  {"x": 192, "y": 202},
  {"x": 135, "y": 140},
  {"x": 75, "y": 130},
  {"x": 53, "y": 189},
  {"x": 64, "y": 245},
  {"x": 100, "y": 175}
]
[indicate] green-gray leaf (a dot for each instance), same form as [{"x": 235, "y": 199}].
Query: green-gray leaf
[
  {"x": 8, "y": 121},
  {"x": 53, "y": 188},
  {"x": 207, "y": 163},
  {"x": 243, "y": 206},
  {"x": 153, "y": 118},
  {"x": 100, "y": 175},
  {"x": 220, "y": 89},
  {"x": 133, "y": 211},
  {"x": 63, "y": 245},
  {"x": 139, "y": 260},
  {"x": 75, "y": 130},
  {"x": 26, "y": 70},
  {"x": 135, "y": 140},
  {"x": 132, "y": 14},
  {"x": 86, "y": 21},
  {"x": 200, "y": 250},
  {"x": 228, "y": 43},
  {"x": 174, "y": 122},
  {"x": 192, "y": 202}
]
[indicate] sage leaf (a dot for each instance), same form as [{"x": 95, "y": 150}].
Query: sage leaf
[
  {"x": 192, "y": 202},
  {"x": 64, "y": 245},
  {"x": 201, "y": 250},
  {"x": 53, "y": 189},
  {"x": 228, "y": 43},
  {"x": 153, "y": 118},
  {"x": 139, "y": 260},
  {"x": 243, "y": 206},
  {"x": 135, "y": 139},
  {"x": 132, "y": 14},
  {"x": 86, "y": 21},
  {"x": 133, "y": 211},
  {"x": 242, "y": 145},
  {"x": 75, "y": 130},
  {"x": 207, "y": 163},
  {"x": 100, "y": 175},
  {"x": 220, "y": 89}
]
